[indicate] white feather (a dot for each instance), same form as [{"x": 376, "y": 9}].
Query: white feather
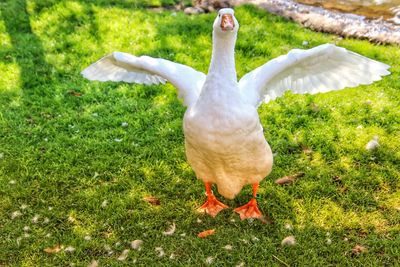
[
  {"x": 317, "y": 70},
  {"x": 124, "y": 67}
]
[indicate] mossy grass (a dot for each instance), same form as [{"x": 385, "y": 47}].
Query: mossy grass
[{"x": 66, "y": 156}]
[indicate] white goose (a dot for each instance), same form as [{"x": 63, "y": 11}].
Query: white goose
[{"x": 224, "y": 139}]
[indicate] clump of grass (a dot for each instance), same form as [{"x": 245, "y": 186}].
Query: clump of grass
[{"x": 77, "y": 157}]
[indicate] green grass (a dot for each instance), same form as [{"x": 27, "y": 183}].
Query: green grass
[{"x": 58, "y": 150}]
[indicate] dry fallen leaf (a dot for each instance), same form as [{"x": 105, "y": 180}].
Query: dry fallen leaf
[
  {"x": 51, "y": 250},
  {"x": 206, "y": 233},
  {"x": 307, "y": 150},
  {"x": 358, "y": 249},
  {"x": 337, "y": 179},
  {"x": 289, "y": 179},
  {"x": 265, "y": 219},
  {"x": 108, "y": 234},
  {"x": 152, "y": 200},
  {"x": 74, "y": 93}
]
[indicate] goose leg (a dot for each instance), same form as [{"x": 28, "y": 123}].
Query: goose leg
[
  {"x": 250, "y": 210},
  {"x": 212, "y": 206}
]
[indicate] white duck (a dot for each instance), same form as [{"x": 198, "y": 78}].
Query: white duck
[{"x": 224, "y": 139}]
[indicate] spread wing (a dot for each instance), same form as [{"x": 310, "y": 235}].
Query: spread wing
[
  {"x": 124, "y": 67},
  {"x": 317, "y": 70}
]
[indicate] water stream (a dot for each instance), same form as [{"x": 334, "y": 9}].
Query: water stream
[{"x": 372, "y": 9}]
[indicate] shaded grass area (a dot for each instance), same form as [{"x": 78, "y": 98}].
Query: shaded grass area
[{"x": 65, "y": 155}]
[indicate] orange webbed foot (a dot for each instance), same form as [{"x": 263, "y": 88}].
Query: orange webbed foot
[
  {"x": 212, "y": 206},
  {"x": 250, "y": 210}
]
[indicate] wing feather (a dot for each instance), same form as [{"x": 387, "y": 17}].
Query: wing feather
[
  {"x": 123, "y": 67},
  {"x": 317, "y": 70}
]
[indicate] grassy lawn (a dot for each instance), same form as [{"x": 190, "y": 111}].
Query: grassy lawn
[{"x": 72, "y": 174}]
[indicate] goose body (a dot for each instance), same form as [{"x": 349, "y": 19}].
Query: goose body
[
  {"x": 228, "y": 149},
  {"x": 224, "y": 139}
]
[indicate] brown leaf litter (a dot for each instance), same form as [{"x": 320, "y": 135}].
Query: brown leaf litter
[
  {"x": 358, "y": 249},
  {"x": 289, "y": 179},
  {"x": 206, "y": 233},
  {"x": 152, "y": 200},
  {"x": 51, "y": 250}
]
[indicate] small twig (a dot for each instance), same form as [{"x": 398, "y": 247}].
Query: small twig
[{"x": 281, "y": 261}]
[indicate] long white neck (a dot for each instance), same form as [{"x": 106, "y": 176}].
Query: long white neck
[{"x": 222, "y": 64}]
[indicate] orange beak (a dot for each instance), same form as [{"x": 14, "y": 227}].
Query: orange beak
[{"x": 227, "y": 23}]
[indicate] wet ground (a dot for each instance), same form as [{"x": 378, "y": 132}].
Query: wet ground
[{"x": 373, "y": 9}]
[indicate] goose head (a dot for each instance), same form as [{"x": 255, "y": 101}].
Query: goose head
[{"x": 225, "y": 23}]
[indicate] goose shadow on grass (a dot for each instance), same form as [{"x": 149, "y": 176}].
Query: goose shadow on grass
[
  {"x": 27, "y": 49},
  {"x": 123, "y": 4}
]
